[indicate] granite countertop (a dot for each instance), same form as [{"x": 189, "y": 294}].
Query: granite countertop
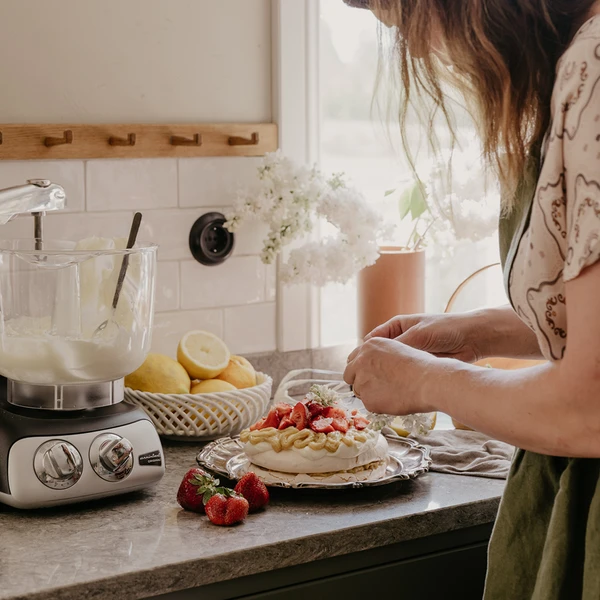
[{"x": 143, "y": 544}]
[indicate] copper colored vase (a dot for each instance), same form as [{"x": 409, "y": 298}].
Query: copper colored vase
[{"x": 394, "y": 285}]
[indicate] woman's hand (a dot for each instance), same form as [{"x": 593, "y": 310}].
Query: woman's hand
[
  {"x": 448, "y": 335},
  {"x": 389, "y": 376},
  {"x": 468, "y": 337}
]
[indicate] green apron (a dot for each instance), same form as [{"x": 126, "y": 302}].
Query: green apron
[{"x": 546, "y": 540}]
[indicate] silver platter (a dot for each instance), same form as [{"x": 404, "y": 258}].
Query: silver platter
[{"x": 406, "y": 460}]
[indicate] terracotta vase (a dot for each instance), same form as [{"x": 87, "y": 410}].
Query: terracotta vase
[{"x": 394, "y": 285}]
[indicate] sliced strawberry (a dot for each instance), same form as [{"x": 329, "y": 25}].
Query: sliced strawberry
[
  {"x": 300, "y": 416},
  {"x": 283, "y": 409},
  {"x": 322, "y": 425},
  {"x": 354, "y": 412},
  {"x": 360, "y": 422},
  {"x": 258, "y": 425},
  {"x": 286, "y": 422},
  {"x": 272, "y": 420},
  {"x": 334, "y": 412},
  {"x": 314, "y": 409},
  {"x": 340, "y": 425}
]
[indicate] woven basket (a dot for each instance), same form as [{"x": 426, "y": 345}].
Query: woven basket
[{"x": 204, "y": 417}]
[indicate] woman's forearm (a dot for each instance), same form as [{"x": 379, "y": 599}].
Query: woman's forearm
[
  {"x": 549, "y": 409},
  {"x": 500, "y": 332}
]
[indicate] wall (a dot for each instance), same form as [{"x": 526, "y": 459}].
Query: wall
[{"x": 149, "y": 61}]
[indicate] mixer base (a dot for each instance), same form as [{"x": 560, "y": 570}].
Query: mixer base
[{"x": 33, "y": 475}]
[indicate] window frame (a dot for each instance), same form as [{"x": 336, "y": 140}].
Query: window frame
[{"x": 296, "y": 110}]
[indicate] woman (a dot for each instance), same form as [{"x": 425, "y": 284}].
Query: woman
[{"x": 532, "y": 70}]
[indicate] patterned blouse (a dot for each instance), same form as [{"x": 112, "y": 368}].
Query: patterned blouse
[{"x": 560, "y": 235}]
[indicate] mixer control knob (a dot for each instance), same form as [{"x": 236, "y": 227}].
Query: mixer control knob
[
  {"x": 111, "y": 456},
  {"x": 58, "y": 464}
]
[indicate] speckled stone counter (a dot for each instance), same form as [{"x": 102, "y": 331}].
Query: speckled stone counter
[{"x": 144, "y": 545}]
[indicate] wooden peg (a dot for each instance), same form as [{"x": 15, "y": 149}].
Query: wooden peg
[
  {"x": 117, "y": 141},
  {"x": 67, "y": 138},
  {"x": 242, "y": 141},
  {"x": 178, "y": 140}
]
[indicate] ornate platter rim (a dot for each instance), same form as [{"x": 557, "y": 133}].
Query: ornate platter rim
[{"x": 216, "y": 455}]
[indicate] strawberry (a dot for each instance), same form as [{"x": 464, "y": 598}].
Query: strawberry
[
  {"x": 360, "y": 422},
  {"x": 322, "y": 425},
  {"x": 254, "y": 490},
  {"x": 354, "y": 412},
  {"x": 340, "y": 425},
  {"x": 286, "y": 422},
  {"x": 283, "y": 409},
  {"x": 300, "y": 416},
  {"x": 258, "y": 425},
  {"x": 227, "y": 509},
  {"x": 195, "y": 489},
  {"x": 272, "y": 420},
  {"x": 334, "y": 412},
  {"x": 314, "y": 409}
]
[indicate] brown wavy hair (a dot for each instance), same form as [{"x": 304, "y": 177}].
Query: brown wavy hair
[{"x": 503, "y": 54}]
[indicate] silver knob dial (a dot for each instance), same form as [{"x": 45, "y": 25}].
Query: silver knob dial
[
  {"x": 111, "y": 456},
  {"x": 58, "y": 464}
]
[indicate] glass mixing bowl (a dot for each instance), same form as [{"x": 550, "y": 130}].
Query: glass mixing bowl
[{"x": 53, "y": 300}]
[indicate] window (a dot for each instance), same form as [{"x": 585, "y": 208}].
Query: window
[
  {"x": 351, "y": 139},
  {"x": 325, "y": 61}
]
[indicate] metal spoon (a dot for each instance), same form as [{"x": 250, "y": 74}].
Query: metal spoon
[{"x": 135, "y": 227}]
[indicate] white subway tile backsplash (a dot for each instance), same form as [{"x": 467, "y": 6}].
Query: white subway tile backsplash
[
  {"x": 169, "y": 327},
  {"x": 235, "y": 300},
  {"x": 75, "y": 226},
  {"x": 236, "y": 281},
  {"x": 250, "y": 328},
  {"x": 170, "y": 229},
  {"x": 68, "y": 173},
  {"x": 135, "y": 184},
  {"x": 249, "y": 238},
  {"x": 214, "y": 181},
  {"x": 167, "y": 286}
]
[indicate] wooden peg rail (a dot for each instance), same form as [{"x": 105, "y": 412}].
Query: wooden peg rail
[{"x": 34, "y": 142}]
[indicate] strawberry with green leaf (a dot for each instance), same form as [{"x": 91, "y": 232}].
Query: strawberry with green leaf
[{"x": 196, "y": 489}]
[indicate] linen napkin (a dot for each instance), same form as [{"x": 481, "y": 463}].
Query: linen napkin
[{"x": 472, "y": 453}]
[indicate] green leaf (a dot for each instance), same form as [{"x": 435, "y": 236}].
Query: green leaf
[
  {"x": 388, "y": 193},
  {"x": 419, "y": 202},
  {"x": 413, "y": 201},
  {"x": 404, "y": 203}
]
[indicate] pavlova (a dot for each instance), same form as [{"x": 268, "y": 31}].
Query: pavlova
[{"x": 318, "y": 438}]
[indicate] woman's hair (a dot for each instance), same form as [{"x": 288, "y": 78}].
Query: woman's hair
[{"x": 503, "y": 55}]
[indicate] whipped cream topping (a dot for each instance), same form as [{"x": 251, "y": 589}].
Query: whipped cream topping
[{"x": 309, "y": 460}]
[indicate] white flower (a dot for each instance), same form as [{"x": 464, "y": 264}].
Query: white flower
[
  {"x": 291, "y": 199},
  {"x": 464, "y": 204}
]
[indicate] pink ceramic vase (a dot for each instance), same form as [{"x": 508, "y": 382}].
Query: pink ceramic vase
[{"x": 394, "y": 285}]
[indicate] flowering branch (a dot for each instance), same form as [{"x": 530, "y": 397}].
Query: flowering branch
[{"x": 291, "y": 199}]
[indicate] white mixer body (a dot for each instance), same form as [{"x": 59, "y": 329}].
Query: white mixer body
[{"x": 27, "y": 490}]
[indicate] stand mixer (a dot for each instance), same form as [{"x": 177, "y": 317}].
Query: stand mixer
[{"x": 65, "y": 433}]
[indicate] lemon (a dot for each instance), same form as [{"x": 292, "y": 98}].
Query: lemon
[
  {"x": 397, "y": 423},
  {"x": 203, "y": 354},
  {"x": 239, "y": 372},
  {"x": 159, "y": 374},
  {"x": 210, "y": 386}
]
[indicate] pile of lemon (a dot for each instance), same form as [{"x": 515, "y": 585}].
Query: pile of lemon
[{"x": 204, "y": 365}]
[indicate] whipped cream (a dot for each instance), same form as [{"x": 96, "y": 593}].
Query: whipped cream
[
  {"x": 55, "y": 344},
  {"x": 307, "y": 460}
]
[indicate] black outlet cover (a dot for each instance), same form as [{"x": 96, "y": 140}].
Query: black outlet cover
[{"x": 210, "y": 243}]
